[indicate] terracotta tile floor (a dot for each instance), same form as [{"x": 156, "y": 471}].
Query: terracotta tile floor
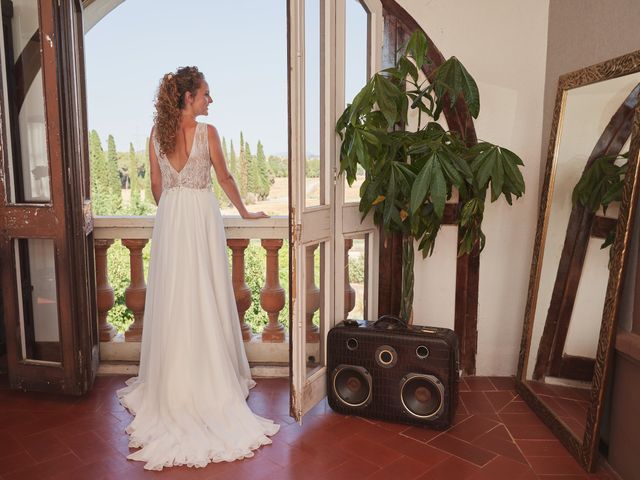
[
  {"x": 570, "y": 404},
  {"x": 495, "y": 437}
]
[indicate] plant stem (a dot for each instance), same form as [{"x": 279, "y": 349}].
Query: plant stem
[{"x": 407, "y": 278}]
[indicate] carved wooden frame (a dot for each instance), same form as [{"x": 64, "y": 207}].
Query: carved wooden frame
[{"x": 584, "y": 450}]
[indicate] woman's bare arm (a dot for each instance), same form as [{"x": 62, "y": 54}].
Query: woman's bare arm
[
  {"x": 225, "y": 179},
  {"x": 154, "y": 167}
]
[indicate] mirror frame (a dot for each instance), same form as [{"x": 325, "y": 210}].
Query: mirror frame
[{"x": 584, "y": 450}]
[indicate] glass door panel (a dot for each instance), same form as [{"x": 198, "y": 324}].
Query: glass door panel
[
  {"x": 315, "y": 309},
  {"x": 29, "y": 172},
  {"x": 39, "y": 325},
  {"x": 356, "y": 277},
  {"x": 356, "y": 72},
  {"x": 313, "y": 181},
  {"x": 46, "y": 247}
]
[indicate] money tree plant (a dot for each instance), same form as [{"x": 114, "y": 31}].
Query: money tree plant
[{"x": 412, "y": 170}]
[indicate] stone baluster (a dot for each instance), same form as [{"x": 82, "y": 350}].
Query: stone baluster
[
  {"x": 272, "y": 295},
  {"x": 349, "y": 292},
  {"x": 312, "y": 295},
  {"x": 134, "y": 295},
  {"x": 105, "y": 296},
  {"x": 240, "y": 287}
]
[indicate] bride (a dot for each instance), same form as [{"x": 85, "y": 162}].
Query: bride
[{"x": 189, "y": 398}]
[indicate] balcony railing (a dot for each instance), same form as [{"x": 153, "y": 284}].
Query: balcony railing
[{"x": 269, "y": 347}]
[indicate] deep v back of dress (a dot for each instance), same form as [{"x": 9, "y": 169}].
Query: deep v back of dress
[
  {"x": 189, "y": 396},
  {"x": 196, "y": 172}
]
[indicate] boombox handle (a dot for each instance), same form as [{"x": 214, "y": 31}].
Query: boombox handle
[{"x": 390, "y": 322}]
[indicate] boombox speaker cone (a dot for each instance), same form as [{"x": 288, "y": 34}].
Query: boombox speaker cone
[
  {"x": 422, "y": 395},
  {"x": 352, "y": 385}
]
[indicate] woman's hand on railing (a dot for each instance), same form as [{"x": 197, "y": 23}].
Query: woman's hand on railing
[{"x": 254, "y": 215}]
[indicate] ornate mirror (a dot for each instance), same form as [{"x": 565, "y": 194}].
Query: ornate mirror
[{"x": 587, "y": 201}]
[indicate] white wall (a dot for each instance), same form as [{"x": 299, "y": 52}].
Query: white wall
[{"x": 503, "y": 45}]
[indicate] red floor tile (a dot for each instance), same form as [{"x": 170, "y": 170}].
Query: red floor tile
[
  {"x": 542, "y": 448},
  {"x": 405, "y": 468},
  {"x": 44, "y": 446},
  {"x": 425, "y": 454},
  {"x": 476, "y": 402},
  {"x": 472, "y": 428},
  {"x": 501, "y": 468},
  {"x": 452, "y": 468},
  {"x": 481, "y": 384},
  {"x": 499, "y": 441},
  {"x": 369, "y": 450},
  {"x": 503, "y": 383},
  {"x": 495, "y": 435},
  {"x": 500, "y": 399},
  {"x": 563, "y": 465},
  {"x": 462, "y": 449},
  {"x": 530, "y": 432},
  {"x": 353, "y": 468}
]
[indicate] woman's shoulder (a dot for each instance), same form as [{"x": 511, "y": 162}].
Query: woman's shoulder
[{"x": 212, "y": 132}]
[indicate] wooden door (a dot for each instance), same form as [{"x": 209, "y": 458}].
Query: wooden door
[{"x": 46, "y": 231}]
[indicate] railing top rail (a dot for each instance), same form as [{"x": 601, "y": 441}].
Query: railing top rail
[{"x": 116, "y": 227}]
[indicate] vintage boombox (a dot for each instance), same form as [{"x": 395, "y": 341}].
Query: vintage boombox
[{"x": 394, "y": 372}]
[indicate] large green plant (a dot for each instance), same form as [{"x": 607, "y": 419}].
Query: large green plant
[
  {"x": 411, "y": 172},
  {"x": 600, "y": 185}
]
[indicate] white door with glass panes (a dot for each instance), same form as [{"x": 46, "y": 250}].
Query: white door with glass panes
[{"x": 334, "y": 46}]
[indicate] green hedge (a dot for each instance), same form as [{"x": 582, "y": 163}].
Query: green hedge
[{"x": 255, "y": 257}]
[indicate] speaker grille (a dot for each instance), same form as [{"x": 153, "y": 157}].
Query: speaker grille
[
  {"x": 352, "y": 385},
  {"x": 422, "y": 396}
]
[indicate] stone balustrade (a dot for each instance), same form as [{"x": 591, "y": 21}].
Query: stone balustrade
[
  {"x": 135, "y": 233},
  {"x": 269, "y": 346}
]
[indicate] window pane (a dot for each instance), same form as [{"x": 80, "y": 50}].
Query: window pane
[
  {"x": 24, "y": 104},
  {"x": 314, "y": 182},
  {"x": 314, "y": 301},
  {"x": 356, "y": 277},
  {"x": 355, "y": 71},
  {"x": 36, "y": 275}
]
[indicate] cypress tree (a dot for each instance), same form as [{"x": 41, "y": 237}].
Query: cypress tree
[
  {"x": 244, "y": 168},
  {"x": 224, "y": 149},
  {"x": 115, "y": 187},
  {"x": 262, "y": 169},
  {"x": 148, "y": 194},
  {"x": 252, "y": 173},
  {"x": 134, "y": 202},
  {"x": 233, "y": 168},
  {"x": 99, "y": 178}
]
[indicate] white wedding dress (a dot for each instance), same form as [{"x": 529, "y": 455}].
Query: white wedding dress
[{"x": 189, "y": 396}]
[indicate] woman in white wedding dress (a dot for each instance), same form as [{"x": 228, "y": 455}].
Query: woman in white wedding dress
[{"x": 189, "y": 398}]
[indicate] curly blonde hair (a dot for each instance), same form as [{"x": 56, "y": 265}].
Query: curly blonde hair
[{"x": 169, "y": 102}]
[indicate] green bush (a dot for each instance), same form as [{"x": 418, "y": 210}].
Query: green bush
[
  {"x": 356, "y": 269},
  {"x": 255, "y": 266}
]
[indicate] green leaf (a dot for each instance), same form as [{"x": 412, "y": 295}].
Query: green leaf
[
  {"x": 417, "y": 47},
  {"x": 362, "y": 102},
  {"x": 389, "y": 201},
  {"x": 421, "y": 185},
  {"x": 514, "y": 176},
  {"x": 386, "y": 97},
  {"x": 406, "y": 67},
  {"x": 483, "y": 165},
  {"x": 453, "y": 79},
  {"x": 438, "y": 190},
  {"x": 497, "y": 179}
]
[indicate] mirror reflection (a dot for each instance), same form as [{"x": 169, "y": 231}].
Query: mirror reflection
[{"x": 591, "y": 150}]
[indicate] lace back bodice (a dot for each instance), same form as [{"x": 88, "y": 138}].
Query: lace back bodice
[{"x": 196, "y": 173}]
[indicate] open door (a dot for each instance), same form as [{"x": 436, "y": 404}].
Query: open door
[
  {"x": 323, "y": 224},
  {"x": 46, "y": 232}
]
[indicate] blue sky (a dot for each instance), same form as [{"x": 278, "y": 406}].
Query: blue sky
[{"x": 241, "y": 46}]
